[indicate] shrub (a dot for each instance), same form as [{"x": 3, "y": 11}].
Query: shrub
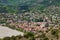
[{"x": 6, "y": 38}]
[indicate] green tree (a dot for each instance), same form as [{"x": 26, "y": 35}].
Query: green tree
[
  {"x": 46, "y": 38},
  {"x": 55, "y": 33},
  {"x": 29, "y": 34},
  {"x": 13, "y": 38},
  {"x": 6, "y": 38}
]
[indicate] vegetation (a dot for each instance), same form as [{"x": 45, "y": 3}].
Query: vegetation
[
  {"x": 11, "y": 11},
  {"x": 13, "y": 6}
]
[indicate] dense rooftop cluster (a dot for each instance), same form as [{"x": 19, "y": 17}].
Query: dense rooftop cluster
[
  {"x": 19, "y": 21},
  {"x": 11, "y": 20}
]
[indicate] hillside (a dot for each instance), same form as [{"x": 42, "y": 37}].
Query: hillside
[
  {"x": 18, "y": 6},
  {"x": 38, "y": 19}
]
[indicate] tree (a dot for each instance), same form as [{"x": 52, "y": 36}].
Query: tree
[
  {"x": 29, "y": 34},
  {"x": 55, "y": 33},
  {"x": 6, "y": 38},
  {"x": 18, "y": 37},
  {"x": 45, "y": 38},
  {"x": 13, "y": 38}
]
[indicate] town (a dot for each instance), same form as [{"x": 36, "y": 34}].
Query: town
[
  {"x": 29, "y": 19},
  {"x": 11, "y": 20}
]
